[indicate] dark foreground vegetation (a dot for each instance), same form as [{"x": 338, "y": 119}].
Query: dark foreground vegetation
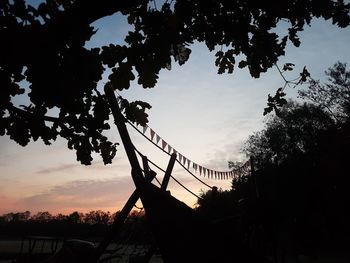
[{"x": 297, "y": 199}]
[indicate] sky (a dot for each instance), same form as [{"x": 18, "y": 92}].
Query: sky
[{"x": 204, "y": 115}]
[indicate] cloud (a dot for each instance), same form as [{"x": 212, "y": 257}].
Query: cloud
[
  {"x": 81, "y": 195},
  {"x": 75, "y": 166},
  {"x": 58, "y": 168},
  {"x": 108, "y": 194}
]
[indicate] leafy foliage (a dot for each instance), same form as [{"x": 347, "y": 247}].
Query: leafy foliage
[
  {"x": 135, "y": 111},
  {"x": 333, "y": 96},
  {"x": 298, "y": 128},
  {"x": 294, "y": 131},
  {"x": 45, "y": 48},
  {"x": 215, "y": 204},
  {"x": 275, "y": 103}
]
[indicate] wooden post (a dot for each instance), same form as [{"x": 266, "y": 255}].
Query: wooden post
[
  {"x": 118, "y": 221},
  {"x": 136, "y": 173},
  {"x": 168, "y": 172},
  {"x": 119, "y": 120},
  {"x": 146, "y": 169}
]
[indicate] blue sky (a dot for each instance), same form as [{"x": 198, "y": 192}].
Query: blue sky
[{"x": 205, "y": 116}]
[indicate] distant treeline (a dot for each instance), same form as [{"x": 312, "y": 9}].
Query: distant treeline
[
  {"x": 92, "y": 217},
  {"x": 94, "y": 224}
]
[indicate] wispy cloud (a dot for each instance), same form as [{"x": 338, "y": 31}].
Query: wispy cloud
[
  {"x": 98, "y": 165},
  {"x": 59, "y": 168},
  {"x": 81, "y": 195}
]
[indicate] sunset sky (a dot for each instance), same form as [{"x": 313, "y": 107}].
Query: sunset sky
[{"x": 203, "y": 115}]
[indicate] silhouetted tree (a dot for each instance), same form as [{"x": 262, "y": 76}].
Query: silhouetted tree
[
  {"x": 296, "y": 130},
  {"x": 45, "y": 58},
  {"x": 301, "y": 162},
  {"x": 93, "y": 224},
  {"x": 97, "y": 217},
  {"x": 298, "y": 127},
  {"x": 332, "y": 96},
  {"x": 16, "y": 217},
  {"x": 76, "y": 217},
  {"x": 42, "y": 216},
  {"x": 216, "y": 204},
  {"x": 301, "y": 170},
  {"x": 60, "y": 217}
]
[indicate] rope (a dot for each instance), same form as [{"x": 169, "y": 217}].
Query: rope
[
  {"x": 157, "y": 166},
  {"x": 141, "y": 155},
  {"x": 119, "y": 98},
  {"x": 132, "y": 125},
  {"x": 140, "y": 208},
  {"x": 160, "y": 148},
  {"x": 194, "y": 175},
  {"x": 188, "y": 190},
  {"x": 161, "y": 169},
  {"x": 154, "y": 177}
]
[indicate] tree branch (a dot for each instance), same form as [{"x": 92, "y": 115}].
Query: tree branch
[
  {"x": 29, "y": 114},
  {"x": 88, "y": 11}
]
